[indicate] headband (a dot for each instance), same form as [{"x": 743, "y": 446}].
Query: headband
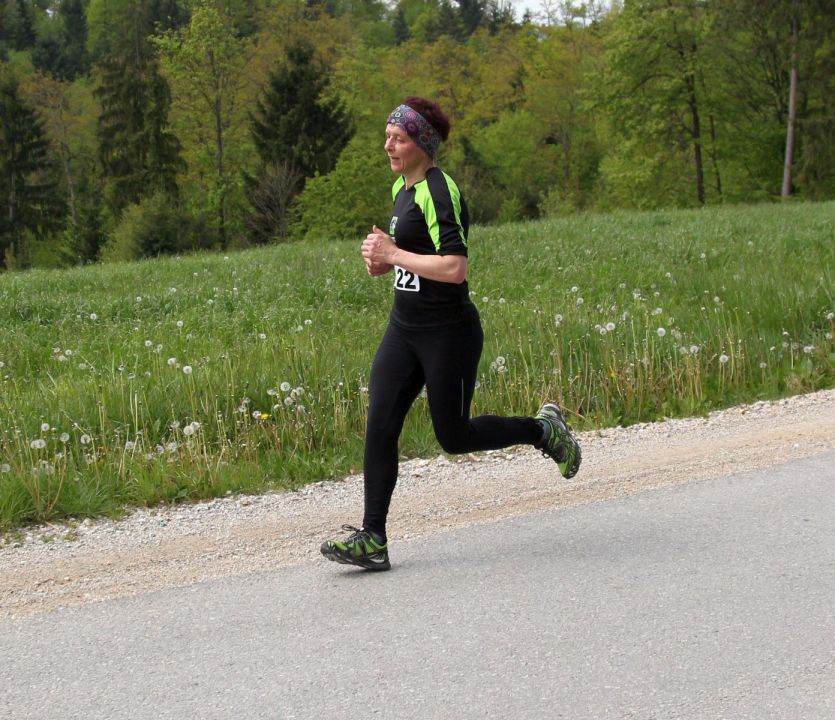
[{"x": 417, "y": 127}]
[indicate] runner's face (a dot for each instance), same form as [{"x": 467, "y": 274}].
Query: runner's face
[{"x": 403, "y": 152}]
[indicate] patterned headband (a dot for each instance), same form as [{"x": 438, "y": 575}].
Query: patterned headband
[{"x": 417, "y": 127}]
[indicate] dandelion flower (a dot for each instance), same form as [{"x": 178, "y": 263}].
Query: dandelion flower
[
  {"x": 93, "y": 316},
  {"x": 723, "y": 358},
  {"x": 139, "y": 298},
  {"x": 308, "y": 322},
  {"x": 179, "y": 323},
  {"x": 485, "y": 299},
  {"x": 44, "y": 427},
  {"x": 38, "y": 444},
  {"x": 285, "y": 386},
  {"x": 500, "y": 360},
  {"x": 85, "y": 439},
  {"x": 272, "y": 392},
  {"x": 148, "y": 343},
  {"x": 64, "y": 437},
  {"x": 580, "y": 301},
  {"x": 188, "y": 430},
  {"x": 574, "y": 288},
  {"x": 187, "y": 369},
  {"x": 661, "y": 332}
]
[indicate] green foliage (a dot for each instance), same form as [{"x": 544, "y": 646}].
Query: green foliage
[
  {"x": 155, "y": 226},
  {"x": 30, "y": 204},
  {"x": 179, "y": 378},
  {"x": 348, "y": 201}
]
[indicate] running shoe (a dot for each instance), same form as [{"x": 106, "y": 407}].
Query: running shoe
[
  {"x": 560, "y": 444},
  {"x": 360, "y": 548}
]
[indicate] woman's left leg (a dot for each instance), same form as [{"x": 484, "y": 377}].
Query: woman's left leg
[{"x": 450, "y": 363}]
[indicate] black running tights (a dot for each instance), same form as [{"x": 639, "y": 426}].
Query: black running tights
[{"x": 446, "y": 361}]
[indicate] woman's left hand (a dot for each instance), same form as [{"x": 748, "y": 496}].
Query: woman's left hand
[{"x": 378, "y": 247}]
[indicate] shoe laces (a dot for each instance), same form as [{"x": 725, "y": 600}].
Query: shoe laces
[{"x": 357, "y": 534}]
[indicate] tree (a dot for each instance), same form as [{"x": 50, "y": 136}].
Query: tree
[
  {"x": 31, "y": 205},
  {"x": 295, "y": 127},
  {"x": 653, "y": 87},
  {"x": 138, "y": 152},
  {"x": 206, "y": 64}
]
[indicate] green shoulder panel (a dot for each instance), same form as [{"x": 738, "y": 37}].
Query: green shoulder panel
[
  {"x": 445, "y": 195},
  {"x": 399, "y": 183}
]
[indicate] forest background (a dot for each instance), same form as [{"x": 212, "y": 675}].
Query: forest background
[{"x": 133, "y": 128}]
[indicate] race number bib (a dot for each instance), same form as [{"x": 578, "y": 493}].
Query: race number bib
[{"x": 406, "y": 280}]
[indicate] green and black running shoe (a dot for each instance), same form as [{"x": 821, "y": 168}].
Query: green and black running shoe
[
  {"x": 359, "y": 548},
  {"x": 559, "y": 444}
]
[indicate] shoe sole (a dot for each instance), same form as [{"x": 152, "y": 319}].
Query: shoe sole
[{"x": 365, "y": 564}]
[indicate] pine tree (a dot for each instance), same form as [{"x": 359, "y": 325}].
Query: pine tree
[
  {"x": 297, "y": 135},
  {"x": 138, "y": 153},
  {"x": 31, "y": 204}
]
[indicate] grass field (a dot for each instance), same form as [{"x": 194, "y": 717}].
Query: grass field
[{"x": 183, "y": 378}]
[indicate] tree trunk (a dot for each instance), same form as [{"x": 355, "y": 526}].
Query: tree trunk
[
  {"x": 790, "y": 132},
  {"x": 221, "y": 171},
  {"x": 697, "y": 140}
]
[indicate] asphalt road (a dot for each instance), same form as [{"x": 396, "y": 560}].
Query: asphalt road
[{"x": 714, "y": 599}]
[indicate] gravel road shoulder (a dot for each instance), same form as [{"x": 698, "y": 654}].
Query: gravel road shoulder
[{"x": 52, "y": 567}]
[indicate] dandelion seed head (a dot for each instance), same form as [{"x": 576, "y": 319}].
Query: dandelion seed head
[
  {"x": 308, "y": 322},
  {"x": 285, "y": 386},
  {"x": 130, "y": 446},
  {"x": 64, "y": 437},
  {"x": 574, "y": 288},
  {"x": 808, "y": 349},
  {"x": 171, "y": 447},
  {"x": 558, "y": 319},
  {"x": 661, "y": 332},
  {"x": 723, "y": 358},
  {"x": 38, "y": 444},
  {"x": 500, "y": 360},
  {"x": 298, "y": 392},
  {"x": 188, "y": 430},
  {"x": 187, "y": 369},
  {"x": 179, "y": 323},
  {"x": 262, "y": 336},
  {"x": 682, "y": 350},
  {"x": 485, "y": 299},
  {"x": 44, "y": 427},
  {"x": 174, "y": 424},
  {"x": 288, "y": 401},
  {"x": 763, "y": 365},
  {"x": 5, "y": 468},
  {"x": 580, "y": 301},
  {"x": 93, "y": 316},
  {"x": 139, "y": 298},
  {"x": 172, "y": 361},
  {"x": 62, "y": 358},
  {"x": 830, "y": 316},
  {"x": 2, "y": 364},
  {"x": 694, "y": 349},
  {"x": 85, "y": 439},
  {"x": 502, "y": 301}
]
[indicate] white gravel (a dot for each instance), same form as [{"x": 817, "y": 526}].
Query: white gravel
[{"x": 53, "y": 566}]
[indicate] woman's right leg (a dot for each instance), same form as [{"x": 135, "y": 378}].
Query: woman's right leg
[{"x": 396, "y": 380}]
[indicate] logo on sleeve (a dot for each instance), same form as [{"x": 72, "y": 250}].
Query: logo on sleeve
[{"x": 392, "y": 225}]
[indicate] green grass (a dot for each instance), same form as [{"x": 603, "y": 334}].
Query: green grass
[{"x": 709, "y": 308}]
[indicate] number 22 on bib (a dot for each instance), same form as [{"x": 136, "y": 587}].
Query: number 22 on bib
[{"x": 406, "y": 280}]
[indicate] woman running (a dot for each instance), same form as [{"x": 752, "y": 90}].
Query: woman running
[{"x": 434, "y": 336}]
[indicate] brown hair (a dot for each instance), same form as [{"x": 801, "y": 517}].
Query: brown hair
[{"x": 432, "y": 112}]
